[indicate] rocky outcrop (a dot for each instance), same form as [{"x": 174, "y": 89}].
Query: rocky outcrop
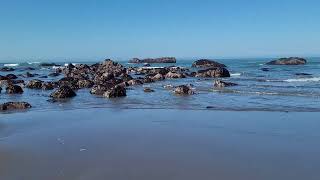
[
  {"x": 156, "y": 60},
  {"x": 47, "y": 86},
  {"x": 174, "y": 75},
  {"x": 222, "y": 84},
  {"x": 34, "y": 84},
  {"x": 213, "y": 72},
  {"x": 14, "y": 89},
  {"x": 117, "y": 91},
  {"x": 63, "y": 92},
  {"x": 14, "y": 106},
  {"x": 207, "y": 63},
  {"x": 183, "y": 90},
  {"x": 288, "y": 61},
  {"x": 49, "y": 64},
  {"x": 158, "y": 77},
  {"x": 84, "y": 83}
]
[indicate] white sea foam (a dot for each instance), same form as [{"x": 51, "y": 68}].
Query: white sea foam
[
  {"x": 11, "y": 65},
  {"x": 235, "y": 74},
  {"x": 33, "y": 63},
  {"x": 313, "y": 79},
  {"x": 66, "y": 64}
]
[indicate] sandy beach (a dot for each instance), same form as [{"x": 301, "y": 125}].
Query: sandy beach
[{"x": 159, "y": 144}]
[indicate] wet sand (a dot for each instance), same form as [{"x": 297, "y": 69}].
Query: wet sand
[{"x": 159, "y": 144}]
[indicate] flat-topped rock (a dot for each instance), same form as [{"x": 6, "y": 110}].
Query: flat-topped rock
[
  {"x": 156, "y": 60},
  {"x": 207, "y": 63},
  {"x": 288, "y": 61}
]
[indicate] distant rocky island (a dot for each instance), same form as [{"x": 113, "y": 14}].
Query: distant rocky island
[
  {"x": 154, "y": 60},
  {"x": 288, "y": 61}
]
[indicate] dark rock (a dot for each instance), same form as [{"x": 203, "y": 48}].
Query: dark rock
[
  {"x": 148, "y": 90},
  {"x": 303, "y": 74},
  {"x": 14, "y": 106},
  {"x": 14, "y": 89},
  {"x": 11, "y": 76},
  {"x": 55, "y": 74},
  {"x": 85, "y": 83},
  {"x": 125, "y": 77},
  {"x": 68, "y": 81},
  {"x": 117, "y": 91},
  {"x": 213, "y": 72},
  {"x": 100, "y": 89},
  {"x": 63, "y": 92},
  {"x": 206, "y": 63},
  {"x": 49, "y": 64},
  {"x": 183, "y": 90},
  {"x": 0, "y": 89},
  {"x": 148, "y": 79},
  {"x": 174, "y": 75},
  {"x": 156, "y": 60},
  {"x": 47, "y": 86},
  {"x": 158, "y": 77},
  {"x": 134, "y": 82},
  {"x": 15, "y": 81},
  {"x": 288, "y": 61},
  {"x": 43, "y": 77},
  {"x": 28, "y": 75},
  {"x": 147, "y": 65},
  {"x": 265, "y": 69},
  {"x": 34, "y": 84},
  {"x": 222, "y": 84},
  {"x": 6, "y": 69}
]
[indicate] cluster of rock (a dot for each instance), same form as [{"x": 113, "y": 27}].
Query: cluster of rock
[
  {"x": 110, "y": 79},
  {"x": 156, "y": 60}
]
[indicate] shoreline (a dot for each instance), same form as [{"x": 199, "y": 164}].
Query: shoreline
[{"x": 159, "y": 144}]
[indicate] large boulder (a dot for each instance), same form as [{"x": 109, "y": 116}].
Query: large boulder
[
  {"x": 63, "y": 92},
  {"x": 117, "y": 91},
  {"x": 135, "y": 82},
  {"x": 222, "y": 84},
  {"x": 100, "y": 89},
  {"x": 14, "y": 106},
  {"x": 14, "y": 89},
  {"x": 288, "y": 61},
  {"x": 207, "y": 63},
  {"x": 84, "y": 83},
  {"x": 213, "y": 72},
  {"x": 156, "y": 60},
  {"x": 183, "y": 90},
  {"x": 47, "y": 86},
  {"x": 158, "y": 77}
]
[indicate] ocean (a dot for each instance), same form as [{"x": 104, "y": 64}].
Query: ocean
[{"x": 280, "y": 88}]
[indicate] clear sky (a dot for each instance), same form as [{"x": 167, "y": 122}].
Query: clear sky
[{"x": 91, "y": 29}]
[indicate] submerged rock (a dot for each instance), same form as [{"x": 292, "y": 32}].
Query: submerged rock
[
  {"x": 148, "y": 90},
  {"x": 0, "y": 89},
  {"x": 6, "y": 69},
  {"x": 63, "y": 92},
  {"x": 213, "y": 72},
  {"x": 134, "y": 82},
  {"x": 222, "y": 84},
  {"x": 14, "y": 106},
  {"x": 117, "y": 91},
  {"x": 207, "y": 63},
  {"x": 156, "y": 60},
  {"x": 303, "y": 74},
  {"x": 14, "y": 89},
  {"x": 288, "y": 61},
  {"x": 183, "y": 90},
  {"x": 11, "y": 76},
  {"x": 49, "y": 64}
]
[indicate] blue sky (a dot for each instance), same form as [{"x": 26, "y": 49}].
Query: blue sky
[{"x": 78, "y": 29}]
